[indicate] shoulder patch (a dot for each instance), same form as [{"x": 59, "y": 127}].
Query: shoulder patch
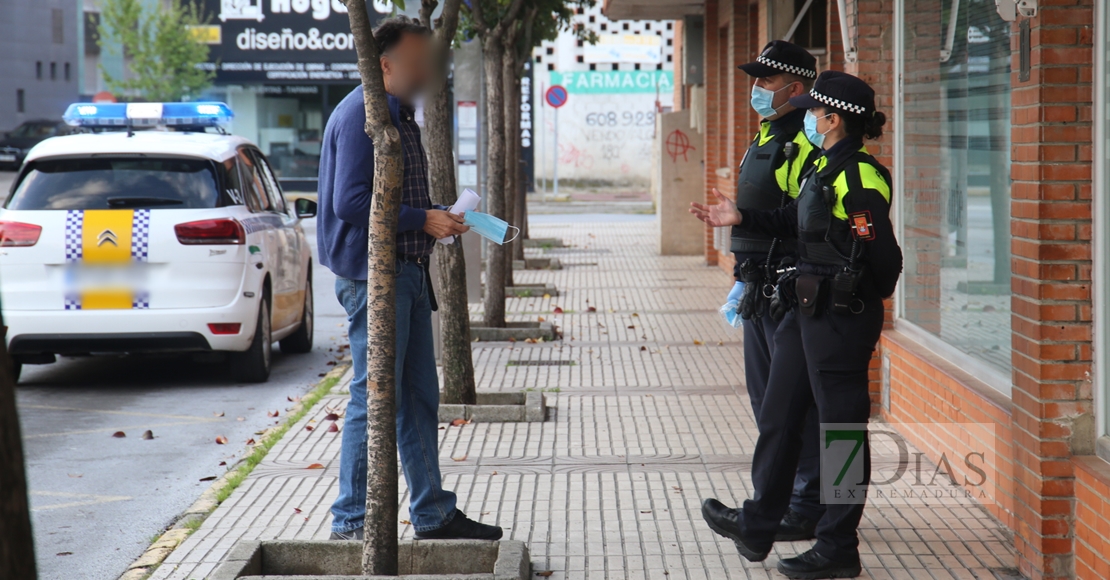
[{"x": 861, "y": 225}]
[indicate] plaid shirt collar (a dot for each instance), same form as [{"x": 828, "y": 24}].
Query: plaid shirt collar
[{"x": 415, "y": 192}]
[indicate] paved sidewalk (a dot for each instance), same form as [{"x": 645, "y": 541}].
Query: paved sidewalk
[{"x": 647, "y": 416}]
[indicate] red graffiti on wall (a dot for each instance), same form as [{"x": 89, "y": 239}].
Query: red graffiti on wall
[{"x": 678, "y": 144}]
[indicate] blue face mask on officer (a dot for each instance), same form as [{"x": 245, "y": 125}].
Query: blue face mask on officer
[
  {"x": 810, "y": 126},
  {"x": 763, "y": 101},
  {"x": 489, "y": 227}
]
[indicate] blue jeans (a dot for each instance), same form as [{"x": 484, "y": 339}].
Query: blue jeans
[{"x": 430, "y": 506}]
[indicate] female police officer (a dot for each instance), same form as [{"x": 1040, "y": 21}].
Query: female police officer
[{"x": 849, "y": 260}]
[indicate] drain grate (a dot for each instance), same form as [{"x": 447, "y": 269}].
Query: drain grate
[{"x": 540, "y": 363}]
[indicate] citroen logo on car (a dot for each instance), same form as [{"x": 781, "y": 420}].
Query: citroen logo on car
[{"x": 107, "y": 237}]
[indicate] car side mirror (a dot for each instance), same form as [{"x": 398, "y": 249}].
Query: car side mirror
[{"x": 305, "y": 208}]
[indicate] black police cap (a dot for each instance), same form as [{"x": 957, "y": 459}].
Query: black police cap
[
  {"x": 839, "y": 90},
  {"x": 780, "y": 57}
]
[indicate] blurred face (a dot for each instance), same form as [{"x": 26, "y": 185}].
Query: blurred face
[{"x": 406, "y": 68}]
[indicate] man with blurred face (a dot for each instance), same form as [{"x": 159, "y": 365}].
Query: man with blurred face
[{"x": 346, "y": 186}]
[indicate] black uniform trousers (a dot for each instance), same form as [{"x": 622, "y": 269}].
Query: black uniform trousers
[
  {"x": 760, "y": 335},
  {"x": 836, "y": 349}
]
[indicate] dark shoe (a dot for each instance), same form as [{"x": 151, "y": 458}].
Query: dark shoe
[
  {"x": 461, "y": 528},
  {"x": 811, "y": 565},
  {"x": 795, "y": 527},
  {"x": 355, "y": 534},
  {"x": 726, "y": 522}
]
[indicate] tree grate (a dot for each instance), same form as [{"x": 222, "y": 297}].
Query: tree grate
[{"x": 540, "y": 363}]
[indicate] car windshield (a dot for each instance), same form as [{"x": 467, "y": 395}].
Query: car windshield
[
  {"x": 118, "y": 183},
  {"x": 34, "y": 131}
]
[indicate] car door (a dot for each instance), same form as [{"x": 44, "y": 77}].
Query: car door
[
  {"x": 265, "y": 243},
  {"x": 288, "y": 290}
]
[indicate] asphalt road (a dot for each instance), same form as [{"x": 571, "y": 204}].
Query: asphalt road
[{"x": 98, "y": 501}]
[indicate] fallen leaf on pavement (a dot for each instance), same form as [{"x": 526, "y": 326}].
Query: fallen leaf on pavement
[
  {"x": 557, "y": 310},
  {"x": 333, "y": 428},
  {"x": 250, "y": 441},
  {"x": 331, "y": 417},
  {"x": 698, "y": 342},
  {"x": 591, "y": 309},
  {"x": 631, "y": 327},
  {"x": 148, "y": 435},
  {"x": 221, "y": 440},
  {"x": 406, "y": 522},
  {"x": 459, "y": 422},
  {"x": 463, "y": 458},
  {"x": 297, "y": 510},
  {"x": 119, "y": 434},
  {"x": 240, "y": 418},
  {"x": 546, "y": 296},
  {"x": 634, "y": 315},
  {"x": 540, "y": 319},
  {"x": 75, "y": 475},
  {"x": 218, "y": 414},
  {"x": 643, "y": 348},
  {"x": 494, "y": 473},
  {"x": 209, "y": 478},
  {"x": 272, "y": 413},
  {"x": 222, "y": 463},
  {"x": 322, "y": 375},
  {"x": 676, "y": 488},
  {"x": 645, "y": 511},
  {"x": 530, "y": 341},
  {"x": 64, "y": 554},
  {"x": 331, "y": 363},
  {"x": 308, "y": 427},
  {"x": 292, "y": 399},
  {"x": 545, "y": 573},
  {"x": 315, "y": 466}
]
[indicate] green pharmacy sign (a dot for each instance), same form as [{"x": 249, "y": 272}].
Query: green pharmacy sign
[{"x": 615, "y": 81}]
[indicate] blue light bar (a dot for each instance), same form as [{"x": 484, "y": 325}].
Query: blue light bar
[{"x": 199, "y": 114}]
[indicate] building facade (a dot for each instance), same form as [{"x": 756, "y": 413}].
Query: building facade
[
  {"x": 997, "y": 335},
  {"x": 614, "y": 90},
  {"x": 39, "y": 70}
]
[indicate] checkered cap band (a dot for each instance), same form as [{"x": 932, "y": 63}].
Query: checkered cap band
[
  {"x": 796, "y": 70},
  {"x": 843, "y": 105}
]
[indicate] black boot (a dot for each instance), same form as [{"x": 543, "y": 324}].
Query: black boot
[
  {"x": 810, "y": 566},
  {"x": 726, "y": 522},
  {"x": 461, "y": 528},
  {"x": 795, "y": 527}
]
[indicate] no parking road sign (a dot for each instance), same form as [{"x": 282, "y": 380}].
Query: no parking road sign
[{"x": 556, "y": 96}]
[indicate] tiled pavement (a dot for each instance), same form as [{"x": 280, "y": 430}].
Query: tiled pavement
[{"x": 647, "y": 416}]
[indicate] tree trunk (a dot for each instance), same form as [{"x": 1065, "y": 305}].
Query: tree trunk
[
  {"x": 511, "y": 85},
  {"x": 454, "y": 311},
  {"x": 493, "y": 53},
  {"x": 17, "y": 546},
  {"x": 379, "y": 555}
]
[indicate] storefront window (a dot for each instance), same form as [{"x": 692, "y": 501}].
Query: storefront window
[{"x": 956, "y": 175}]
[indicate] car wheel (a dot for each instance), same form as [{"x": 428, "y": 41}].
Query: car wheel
[
  {"x": 253, "y": 365},
  {"x": 301, "y": 340}
]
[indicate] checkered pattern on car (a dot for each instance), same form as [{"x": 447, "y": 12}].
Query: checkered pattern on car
[
  {"x": 140, "y": 301},
  {"x": 414, "y": 187},
  {"x": 72, "y": 301},
  {"x": 140, "y": 235},
  {"x": 75, "y": 249}
]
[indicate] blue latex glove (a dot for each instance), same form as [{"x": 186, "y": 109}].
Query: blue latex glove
[{"x": 734, "y": 294}]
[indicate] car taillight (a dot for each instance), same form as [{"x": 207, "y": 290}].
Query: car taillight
[
  {"x": 218, "y": 231},
  {"x": 19, "y": 234},
  {"x": 224, "y": 327}
]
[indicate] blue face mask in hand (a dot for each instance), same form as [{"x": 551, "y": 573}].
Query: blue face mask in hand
[{"x": 489, "y": 227}]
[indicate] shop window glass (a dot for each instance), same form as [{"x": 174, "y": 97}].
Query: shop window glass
[{"x": 956, "y": 175}]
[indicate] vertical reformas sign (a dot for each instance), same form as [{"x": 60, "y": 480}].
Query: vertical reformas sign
[{"x": 279, "y": 41}]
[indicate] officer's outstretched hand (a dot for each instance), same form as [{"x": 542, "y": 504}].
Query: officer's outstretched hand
[{"x": 723, "y": 213}]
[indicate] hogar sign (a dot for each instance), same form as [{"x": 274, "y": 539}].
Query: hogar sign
[{"x": 279, "y": 41}]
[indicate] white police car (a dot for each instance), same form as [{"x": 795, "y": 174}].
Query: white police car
[{"x": 171, "y": 239}]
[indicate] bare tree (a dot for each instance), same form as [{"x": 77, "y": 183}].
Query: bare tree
[
  {"x": 454, "y": 312},
  {"x": 17, "y": 546},
  {"x": 491, "y": 33},
  {"x": 379, "y": 555}
]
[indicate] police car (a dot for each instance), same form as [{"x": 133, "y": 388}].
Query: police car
[{"x": 171, "y": 238}]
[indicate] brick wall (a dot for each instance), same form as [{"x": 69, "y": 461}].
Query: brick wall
[
  {"x": 1092, "y": 518},
  {"x": 1051, "y": 213}
]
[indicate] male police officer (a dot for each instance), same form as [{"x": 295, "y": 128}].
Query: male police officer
[{"x": 769, "y": 178}]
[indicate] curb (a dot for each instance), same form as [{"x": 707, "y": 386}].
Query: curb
[{"x": 191, "y": 518}]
